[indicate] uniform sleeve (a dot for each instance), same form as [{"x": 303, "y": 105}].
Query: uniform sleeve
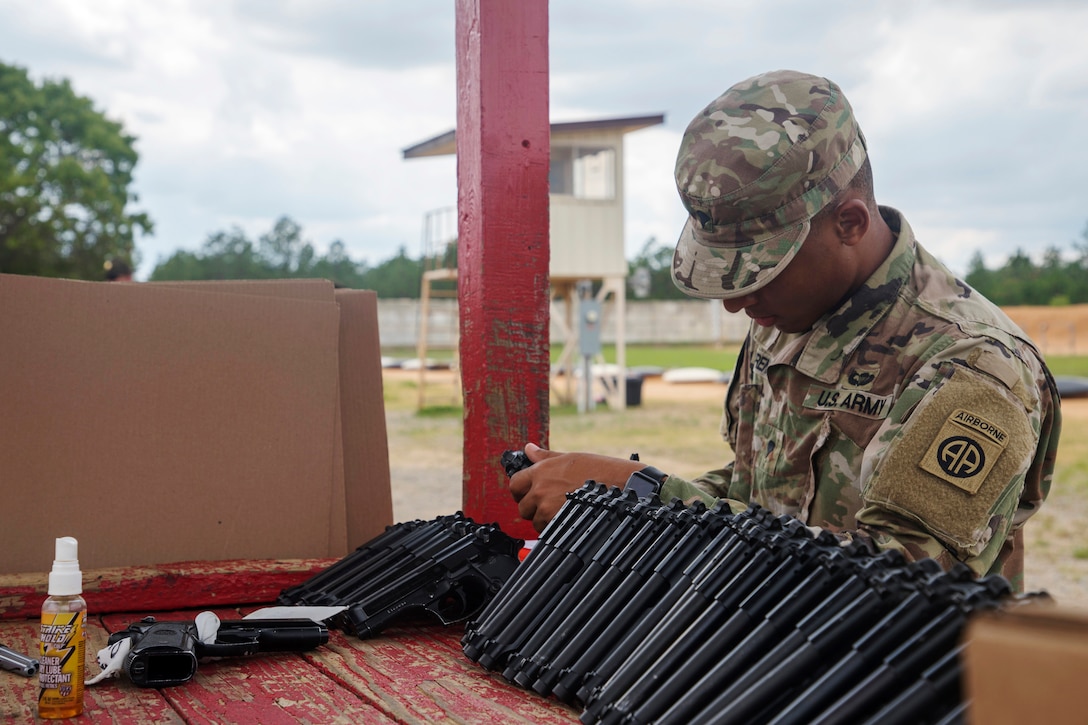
[
  {"x": 964, "y": 460},
  {"x": 709, "y": 488}
]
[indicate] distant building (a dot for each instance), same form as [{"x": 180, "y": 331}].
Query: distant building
[{"x": 586, "y": 228}]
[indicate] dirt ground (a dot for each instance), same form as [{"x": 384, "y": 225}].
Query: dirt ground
[
  {"x": 425, "y": 455},
  {"x": 1055, "y": 330}
]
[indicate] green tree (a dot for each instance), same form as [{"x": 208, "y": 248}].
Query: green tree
[
  {"x": 279, "y": 253},
  {"x": 981, "y": 278},
  {"x": 1019, "y": 274},
  {"x": 1055, "y": 281},
  {"x": 338, "y": 266},
  {"x": 225, "y": 255},
  {"x": 284, "y": 249},
  {"x": 65, "y": 173},
  {"x": 1077, "y": 269},
  {"x": 400, "y": 276},
  {"x": 657, "y": 259}
]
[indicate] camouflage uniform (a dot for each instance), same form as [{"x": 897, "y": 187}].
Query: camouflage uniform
[{"x": 915, "y": 416}]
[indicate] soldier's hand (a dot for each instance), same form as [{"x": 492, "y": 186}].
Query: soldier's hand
[{"x": 542, "y": 488}]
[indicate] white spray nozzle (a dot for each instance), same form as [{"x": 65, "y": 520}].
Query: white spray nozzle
[
  {"x": 67, "y": 549},
  {"x": 66, "y": 579}
]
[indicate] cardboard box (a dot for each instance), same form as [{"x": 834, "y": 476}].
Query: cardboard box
[
  {"x": 1027, "y": 665},
  {"x": 192, "y": 421}
]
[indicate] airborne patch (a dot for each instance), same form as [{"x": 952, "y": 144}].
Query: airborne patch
[
  {"x": 965, "y": 450},
  {"x": 848, "y": 400}
]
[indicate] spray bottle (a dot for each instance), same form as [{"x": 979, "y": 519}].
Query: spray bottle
[{"x": 63, "y": 640}]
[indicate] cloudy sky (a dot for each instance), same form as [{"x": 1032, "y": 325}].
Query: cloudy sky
[{"x": 248, "y": 110}]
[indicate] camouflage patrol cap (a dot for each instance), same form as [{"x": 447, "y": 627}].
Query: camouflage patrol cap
[{"x": 754, "y": 167}]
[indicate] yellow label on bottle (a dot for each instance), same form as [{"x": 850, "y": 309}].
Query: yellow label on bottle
[{"x": 61, "y": 664}]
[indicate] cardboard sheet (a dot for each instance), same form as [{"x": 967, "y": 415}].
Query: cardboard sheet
[
  {"x": 160, "y": 423},
  {"x": 1028, "y": 665},
  {"x": 369, "y": 499}
]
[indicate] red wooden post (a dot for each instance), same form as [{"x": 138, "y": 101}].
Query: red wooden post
[{"x": 503, "y": 150}]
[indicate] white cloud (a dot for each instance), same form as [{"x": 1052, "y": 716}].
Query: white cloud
[
  {"x": 246, "y": 110},
  {"x": 653, "y": 207}
]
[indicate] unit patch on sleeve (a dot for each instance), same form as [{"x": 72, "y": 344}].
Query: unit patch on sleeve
[
  {"x": 956, "y": 467},
  {"x": 965, "y": 450}
]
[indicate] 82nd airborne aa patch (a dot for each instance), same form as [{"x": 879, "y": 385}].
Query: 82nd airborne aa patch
[{"x": 965, "y": 450}]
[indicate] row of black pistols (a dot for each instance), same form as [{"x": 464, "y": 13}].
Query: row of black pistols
[
  {"x": 644, "y": 612},
  {"x": 641, "y": 611}
]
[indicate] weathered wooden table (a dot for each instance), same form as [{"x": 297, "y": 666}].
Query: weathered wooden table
[{"x": 413, "y": 673}]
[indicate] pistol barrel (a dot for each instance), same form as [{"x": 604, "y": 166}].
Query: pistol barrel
[{"x": 15, "y": 662}]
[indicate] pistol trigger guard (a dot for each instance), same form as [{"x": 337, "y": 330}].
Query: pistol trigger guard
[
  {"x": 450, "y": 606},
  {"x": 460, "y": 600}
]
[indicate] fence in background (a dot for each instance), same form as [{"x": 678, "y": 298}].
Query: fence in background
[{"x": 648, "y": 322}]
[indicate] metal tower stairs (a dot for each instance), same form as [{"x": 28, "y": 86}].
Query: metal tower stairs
[{"x": 439, "y": 265}]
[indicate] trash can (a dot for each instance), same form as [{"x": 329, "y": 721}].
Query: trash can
[{"x": 634, "y": 390}]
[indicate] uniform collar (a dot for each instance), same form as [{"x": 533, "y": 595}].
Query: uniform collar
[{"x": 822, "y": 351}]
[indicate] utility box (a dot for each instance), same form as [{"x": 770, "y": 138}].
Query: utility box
[{"x": 589, "y": 322}]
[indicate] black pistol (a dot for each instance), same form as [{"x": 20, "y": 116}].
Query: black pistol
[
  {"x": 165, "y": 654},
  {"x": 514, "y": 461}
]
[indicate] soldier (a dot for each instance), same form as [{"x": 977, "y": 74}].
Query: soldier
[
  {"x": 876, "y": 395},
  {"x": 117, "y": 270}
]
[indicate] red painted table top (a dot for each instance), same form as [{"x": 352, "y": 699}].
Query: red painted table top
[{"x": 412, "y": 673}]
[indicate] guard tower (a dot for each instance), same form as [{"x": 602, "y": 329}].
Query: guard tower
[{"x": 586, "y": 240}]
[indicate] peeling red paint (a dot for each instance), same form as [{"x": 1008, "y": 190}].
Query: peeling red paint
[
  {"x": 412, "y": 673},
  {"x": 165, "y": 586},
  {"x": 503, "y": 147}
]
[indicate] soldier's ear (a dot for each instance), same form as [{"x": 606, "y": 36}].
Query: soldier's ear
[{"x": 852, "y": 221}]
